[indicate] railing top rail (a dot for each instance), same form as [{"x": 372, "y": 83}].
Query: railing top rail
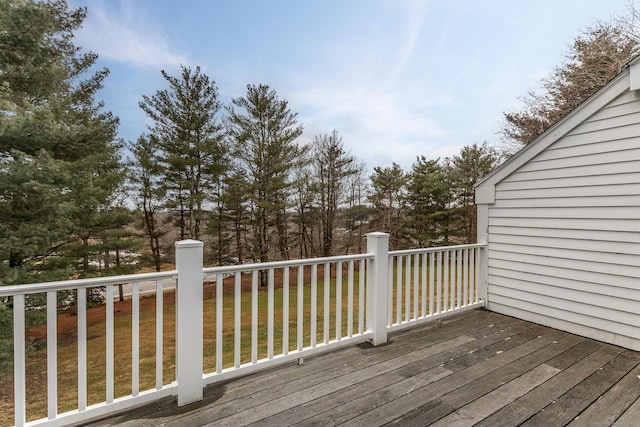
[
  {"x": 288, "y": 263},
  {"x": 62, "y": 285},
  {"x": 437, "y": 249},
  {"x": 32, "y": 288}
]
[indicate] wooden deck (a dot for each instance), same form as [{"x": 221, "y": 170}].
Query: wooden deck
[{"x": 477, "y": 368}]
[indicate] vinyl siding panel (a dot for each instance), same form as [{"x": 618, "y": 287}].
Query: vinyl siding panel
[
  {"x": 564, "y": 231},
  {"x": 585, "y": 171},
  {"x": 623, "y": 105},
  {"x": 627, "y": 119},
  {"x": 541, "y": 181},
  {"x": 576, "y": 303},
  {"x": 582, "y": 225},
  {"x": 596, "y": 158},
  {"x": 575, "y": 233},
  {"x": 579, "y": 324},
  {"x": 570, "y": 200},
  {"x": 590, "y": 285},
  {"x": 562, "y": 272}
]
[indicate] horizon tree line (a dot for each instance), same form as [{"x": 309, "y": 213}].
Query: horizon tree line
[{"x": 245, "y": 184}]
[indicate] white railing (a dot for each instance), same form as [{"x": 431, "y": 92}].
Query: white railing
[
  {"x": 310, "y": 304},
  {"x": 233, "y": 320},
  {"x": 19, "y": 295},
  {"x": 430, "y": 283}
]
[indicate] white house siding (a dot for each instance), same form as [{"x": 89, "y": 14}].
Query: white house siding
[{"x": 564, "y": 231}]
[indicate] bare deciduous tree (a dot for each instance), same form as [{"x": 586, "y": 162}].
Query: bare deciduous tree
[{"x": 597, "y": 55}]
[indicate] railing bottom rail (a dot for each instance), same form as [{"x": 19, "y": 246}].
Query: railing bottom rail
[
  {"x": 433, "y": 317},
  {"x": 262, "y": 364}
]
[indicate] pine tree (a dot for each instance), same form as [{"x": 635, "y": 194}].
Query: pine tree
[
  {"x": 49, "y": 116},
  {"x": 387, "y": 194},
  {"x": 56, "y": 148},
  {"x": 306, "y": 212},
  {"x": 357, "y": 212},
  {"x": 431, "y": 218},
  {"x": 468, "y": 168},
  {"x": 149, "y": 191},
  {"x": 234, "y": 216},
  {"x": 190, "y": 144},
  {"x": 264, "y": 133},
  {"x": 34, "y": 217}
]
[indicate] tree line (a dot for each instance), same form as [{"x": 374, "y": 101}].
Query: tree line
[
  {"x": 75, "y": 201},
  {"x": 238, "y": 177}
]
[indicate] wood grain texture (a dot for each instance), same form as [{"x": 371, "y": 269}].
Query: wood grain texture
[{"x": 477, "y": 368}]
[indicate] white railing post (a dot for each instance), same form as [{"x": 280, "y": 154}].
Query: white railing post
[
  {"x": 377, "y": 276},
  {"x": 189, "y": 319},
  {"x": 482, "y": 260},
  {"x": 19, "y": 361}
]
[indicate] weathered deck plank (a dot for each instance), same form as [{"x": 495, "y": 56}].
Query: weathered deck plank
[
  {"x": 630, "y": 417},
  {"x": 484, "y": 406},
  {"x": 500, "y": 354},
  {"x": 477, "y": 368},
  {"x": 370, "y": 399},
  {"x": 581, "y": 361},
  {"x": 610, "y": 406},
  {"x": 571, "y": 404}
]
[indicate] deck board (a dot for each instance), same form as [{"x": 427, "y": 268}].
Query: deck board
[
  {"x": 571, "y": 404},
  {"x": 630, "y": 417},
  {"x": 580, "y": 361},
  {"x": 611, "y": 405},
  {"x": 476, "y": 368}
]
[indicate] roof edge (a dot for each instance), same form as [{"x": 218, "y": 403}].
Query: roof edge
[{"x": 617, "y": 86}]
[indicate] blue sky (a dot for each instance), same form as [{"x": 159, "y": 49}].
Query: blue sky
[{"x": 395, "y": 78}]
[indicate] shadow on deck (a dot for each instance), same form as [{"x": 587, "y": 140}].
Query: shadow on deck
[{"x": 477, "y": 368}]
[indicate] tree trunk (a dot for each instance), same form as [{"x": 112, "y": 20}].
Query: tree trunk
[
  {"x": 15, "y": 259},
  {"x": 157, "y": 259}
]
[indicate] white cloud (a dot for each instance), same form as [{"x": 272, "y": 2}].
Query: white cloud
[
  {"x": 121, "y": 34},
  {"x": 375, "y": 126}
]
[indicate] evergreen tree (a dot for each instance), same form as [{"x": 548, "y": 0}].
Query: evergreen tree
[
  {"x": 149, "y": 191},
  {"x": 34, "y": 217},
  {"x": 234, "y": 211},
  {"x": 306, "y": 215},
  {"x": 332, "y": 167},
  {"x": 468, "y": 168},
  {"x": 49, "y": 116},
  {"x": 59, "y": 163},
  {"x": 95, "y": 211},
  {"x": 431, "y": 203},
  {"x": 357, "y": 212},
  {"x": 264, "y": 132},
  {"x": 387, "y": 194},
  {"x": 190, "y": 145}
]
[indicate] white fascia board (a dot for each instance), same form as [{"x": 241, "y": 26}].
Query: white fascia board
[
  {"x": 634, "y": 76},
  {"x": 597, "y": 101}
]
